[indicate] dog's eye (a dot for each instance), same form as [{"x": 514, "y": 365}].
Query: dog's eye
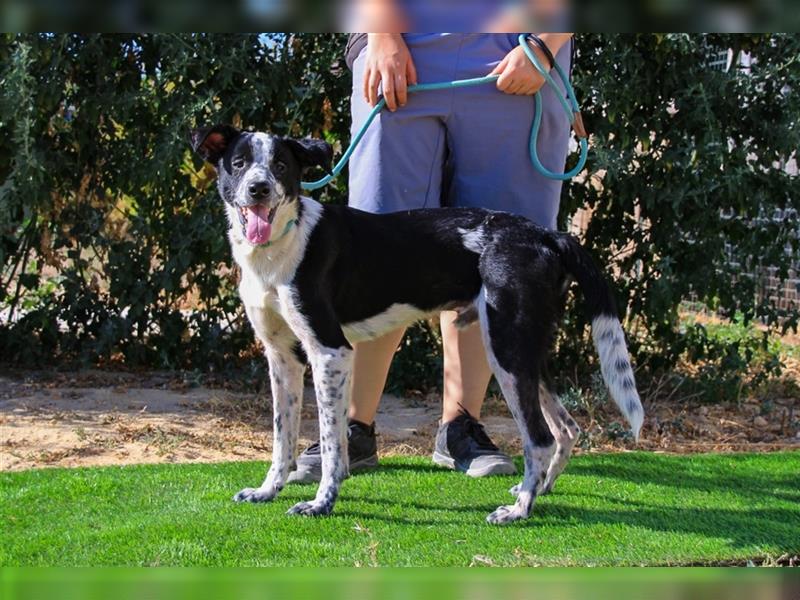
[
  {"x": 280, "y": 168},
  {"x": 238, "y": 162}
]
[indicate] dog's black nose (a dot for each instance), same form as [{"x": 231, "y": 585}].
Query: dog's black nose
[{"x": 258, "y": 190}]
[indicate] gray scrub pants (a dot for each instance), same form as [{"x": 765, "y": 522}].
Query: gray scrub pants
[{"x": 459, "y": 147}]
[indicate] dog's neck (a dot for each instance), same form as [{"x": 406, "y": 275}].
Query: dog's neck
[{"x": 276, "y": 262}]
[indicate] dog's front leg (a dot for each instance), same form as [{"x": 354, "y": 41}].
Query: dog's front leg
[
  {"x": 286, "y": 380},
  {"x": 314, "y": 322},
  {"x": 331, "y": 368}
]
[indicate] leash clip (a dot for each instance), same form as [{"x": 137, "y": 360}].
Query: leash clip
[{"x": 578, "y": 127}]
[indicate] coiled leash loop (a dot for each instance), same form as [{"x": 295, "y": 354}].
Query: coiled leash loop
[{"x": 570, "y": 105}]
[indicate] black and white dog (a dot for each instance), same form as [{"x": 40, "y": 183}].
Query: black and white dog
[{"x": 322, "y": 277}]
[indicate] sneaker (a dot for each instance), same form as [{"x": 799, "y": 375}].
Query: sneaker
[
  {"x": 462, "y": 444},
  {"x": 362, "y": 448}
]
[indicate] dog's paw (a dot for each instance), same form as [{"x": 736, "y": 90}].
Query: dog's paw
[
  {"x": 311, "y": 509},
  {"x": 506, "y": 514},
  {"x": 514, "y": 490},
  {"x": 255, "y": 495}
]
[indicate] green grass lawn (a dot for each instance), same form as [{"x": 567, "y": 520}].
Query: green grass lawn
[{"x": 613, "y": 509}]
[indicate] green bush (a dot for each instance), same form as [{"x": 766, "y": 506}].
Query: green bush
[
  {"x": 685, "y": 177},
  {"x": 116, "y": 228},
  {"x": 730, "y": 357},
  {"x": 112, "y": 239}
]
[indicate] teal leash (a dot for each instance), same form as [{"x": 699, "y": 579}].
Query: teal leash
[
  {"x": 570, "y": 105},
  {"x": 573, "y": 114}
]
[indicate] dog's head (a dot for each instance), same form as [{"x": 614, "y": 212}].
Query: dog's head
[{"x": 258, "y": 174}]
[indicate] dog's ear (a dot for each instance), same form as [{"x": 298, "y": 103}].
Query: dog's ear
[
  {"x": 311, "y": 153},
  {"x": 211, "y": 142}
]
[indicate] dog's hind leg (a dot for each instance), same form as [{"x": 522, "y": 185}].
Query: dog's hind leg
[
  {"x": 564, "y": 429},
  {"x": 286, "y": 379},
  {"x": 514, "y": 356}
]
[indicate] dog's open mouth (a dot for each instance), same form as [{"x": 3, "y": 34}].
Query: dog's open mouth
[{"x": 256, "y": 223}]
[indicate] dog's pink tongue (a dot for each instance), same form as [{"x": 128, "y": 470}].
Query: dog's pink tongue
[{"x": 258, "y": 227}]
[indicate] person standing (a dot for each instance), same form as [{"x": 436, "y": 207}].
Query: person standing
[{"x": 465, "y": 147}]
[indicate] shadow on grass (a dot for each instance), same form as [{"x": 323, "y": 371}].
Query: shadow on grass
[
  {"x": 769, "y": 528},
  {"x": 736, "y": 481},
  {"x": 694, "y": 473}
]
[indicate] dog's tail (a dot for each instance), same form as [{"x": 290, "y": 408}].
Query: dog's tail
[{"x": 607, "y": 333}]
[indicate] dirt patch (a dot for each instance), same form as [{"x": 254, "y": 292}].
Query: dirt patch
[{"x": 99, "y": 418}]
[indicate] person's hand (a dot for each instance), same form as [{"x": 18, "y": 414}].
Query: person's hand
[
  {"x": 517, "y": 73},
  {"x": 388, "y": 62}
]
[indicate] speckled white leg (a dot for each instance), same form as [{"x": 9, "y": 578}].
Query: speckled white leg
[
  {"x": 286, "y": 379},
  {"x": 564, "y": 429},
  {"x": 536, "y": 457},
  {"x": 332, "y": 368}
]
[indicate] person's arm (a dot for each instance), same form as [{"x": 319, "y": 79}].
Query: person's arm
[
  {"x": 518, "y": 75},
  {"x": 389, "y": 62}
]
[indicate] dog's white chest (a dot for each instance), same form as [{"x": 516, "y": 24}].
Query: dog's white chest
[{"x": 256, "y": 295}]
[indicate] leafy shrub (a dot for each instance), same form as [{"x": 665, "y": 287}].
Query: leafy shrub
[
  {"x": 418, "y": 364},
  {"x": 685, "y": 175},
  {"x": 111, "y": 233},
  {"x": 112, "y": 240},
  {"x": 730, "y": 357}
]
